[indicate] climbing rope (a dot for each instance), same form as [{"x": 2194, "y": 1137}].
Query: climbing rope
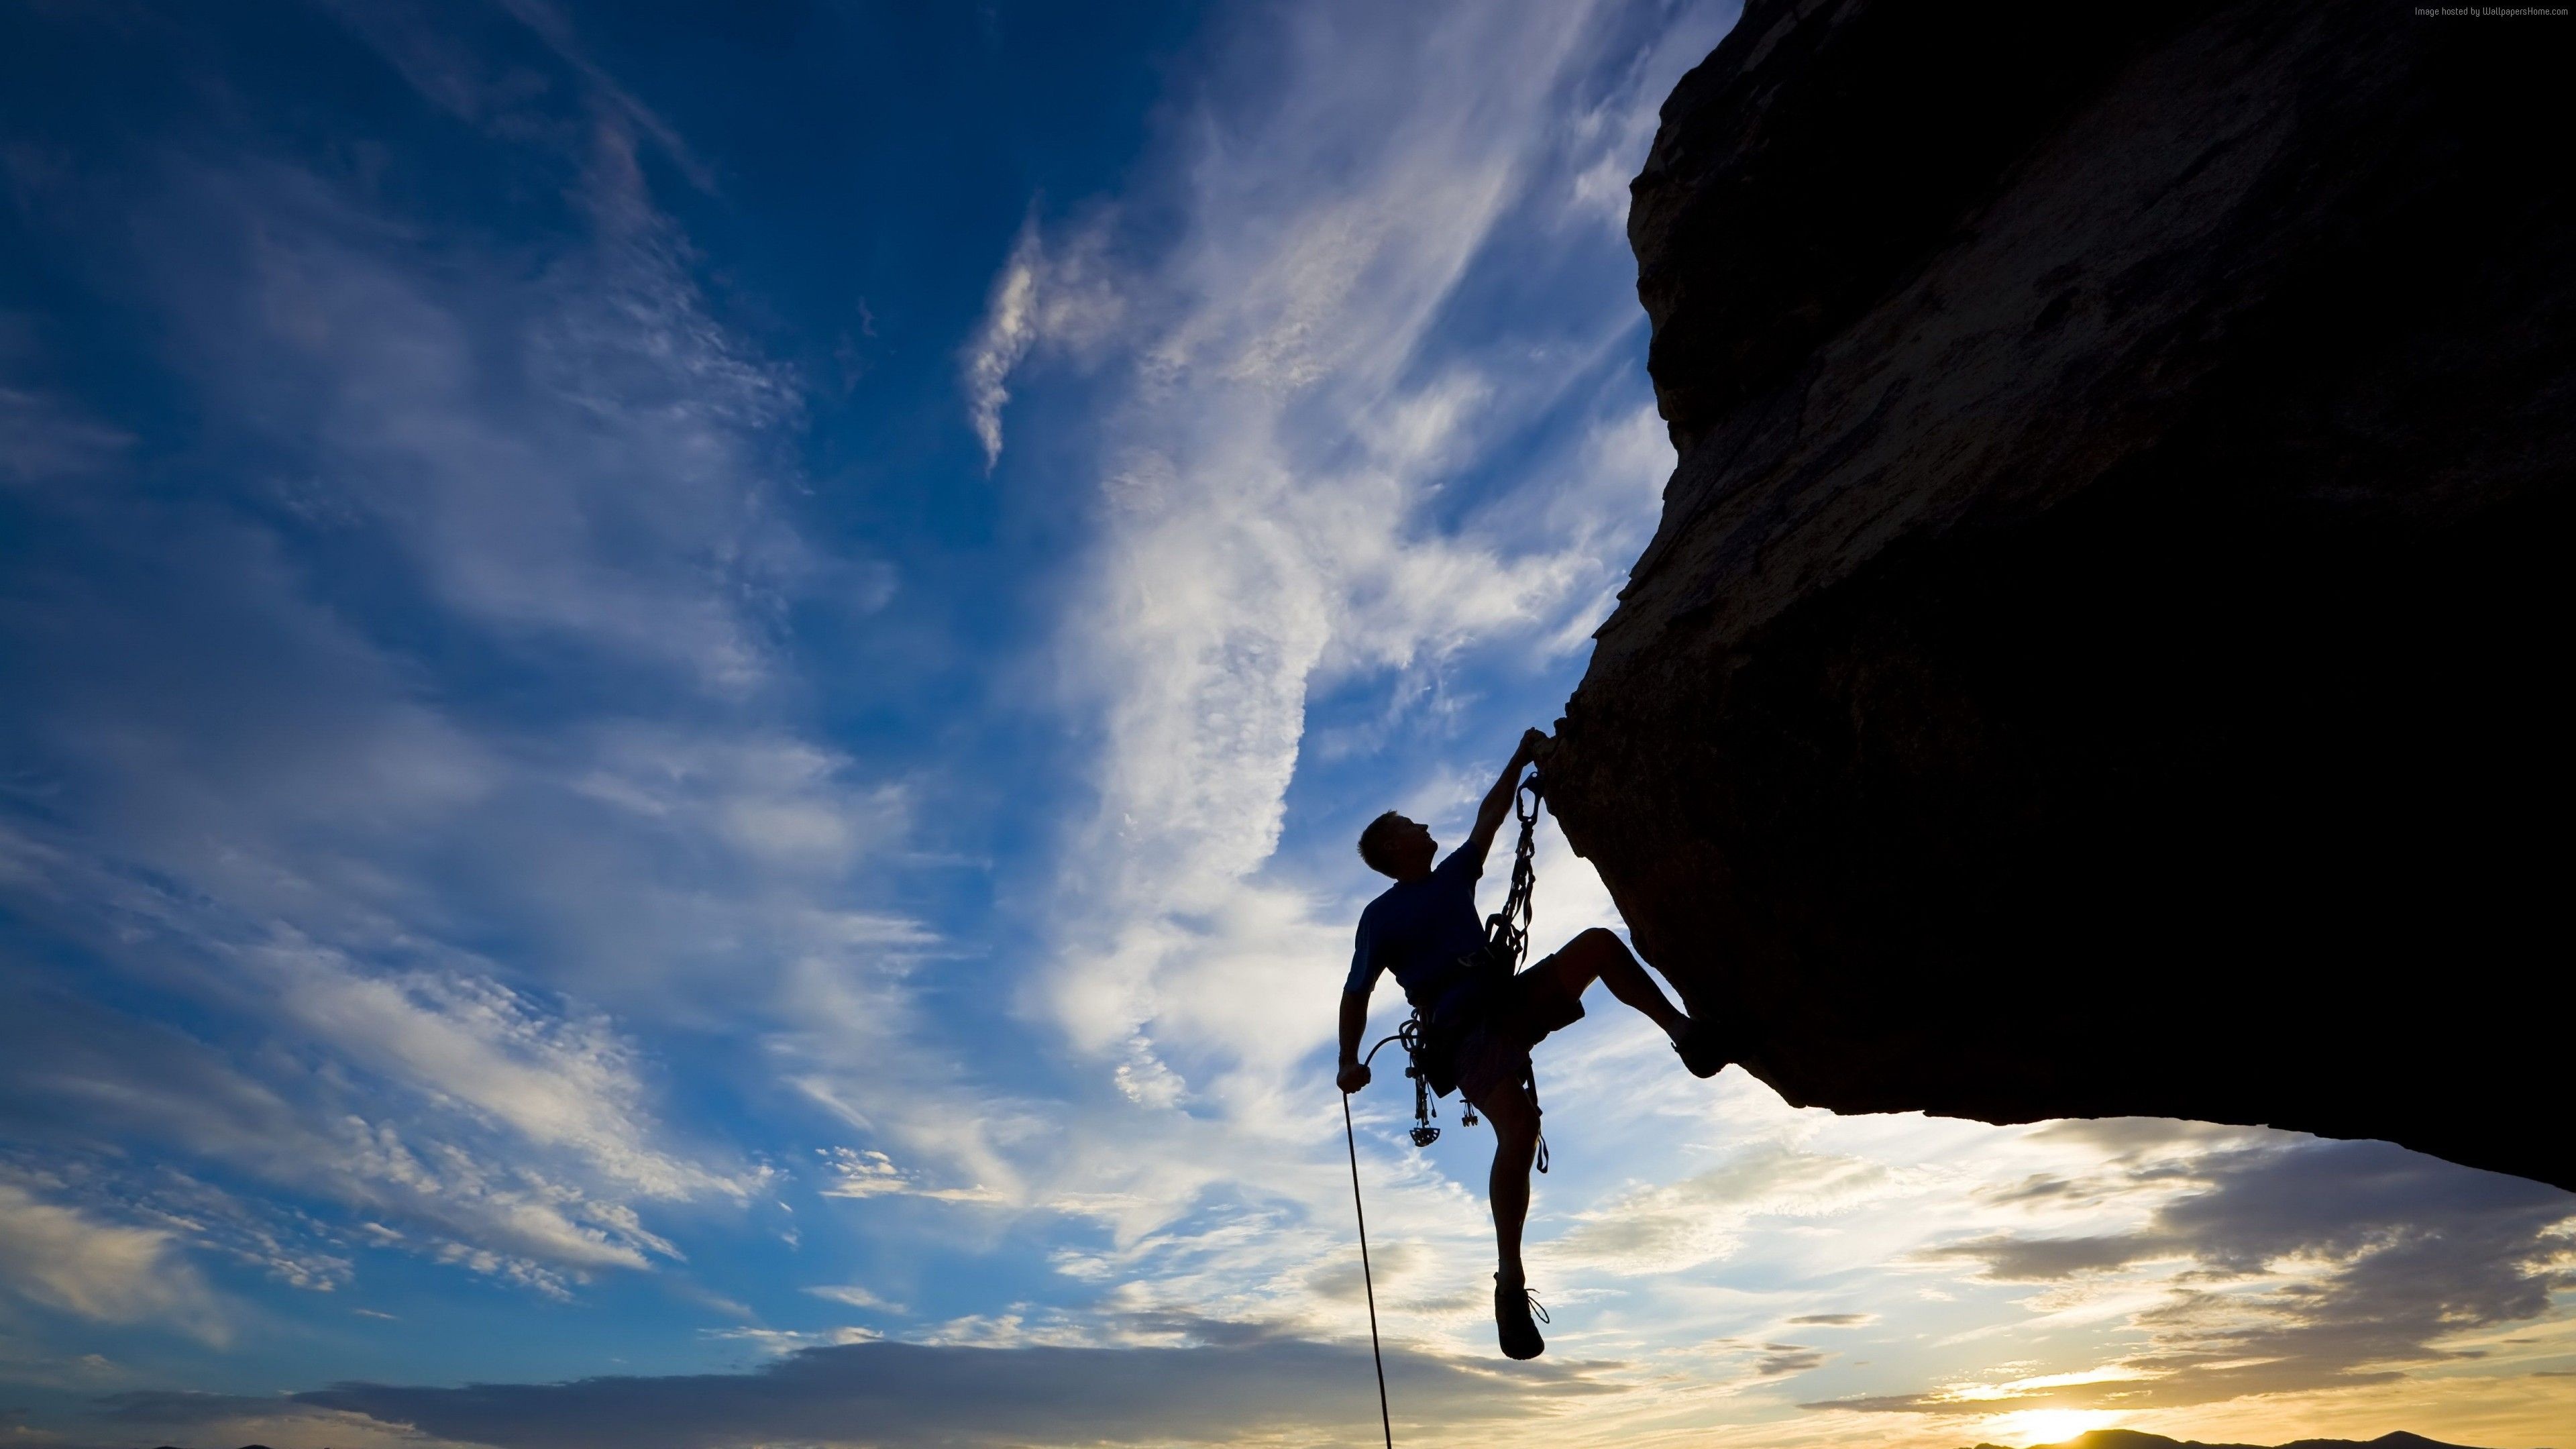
[
  {"x": 1410, "y": 1035},
  {"x": 1367, "y": 1278}
]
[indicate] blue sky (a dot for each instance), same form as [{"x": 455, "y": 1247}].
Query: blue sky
[{"x": 684, "y": 694}]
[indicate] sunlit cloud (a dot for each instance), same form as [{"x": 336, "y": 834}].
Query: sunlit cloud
[
  {"x": 2305, "y": 1265},
  {"x": 59, "y": 1257}
]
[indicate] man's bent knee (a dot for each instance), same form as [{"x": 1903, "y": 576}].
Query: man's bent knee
[
  {"x": 1581, "y": 961},
  {"x": 1598, "y": 941},
  {"x": 1590, "y": 951}
]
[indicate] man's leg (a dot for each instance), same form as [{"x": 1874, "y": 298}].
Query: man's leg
[
  {"x": 1598, "y": 955},
  {"x": 1515, "y": 1121}
]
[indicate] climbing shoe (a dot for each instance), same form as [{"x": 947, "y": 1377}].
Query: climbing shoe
[
  {"x": 1513, "y": 1305},
  {"x": 1700, "y": 1049}
]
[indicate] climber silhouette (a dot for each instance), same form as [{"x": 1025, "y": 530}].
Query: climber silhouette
[{"x": 1481, "y": 1023}]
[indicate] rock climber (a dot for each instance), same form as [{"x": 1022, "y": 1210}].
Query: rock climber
[{"x": 1480, "y": 1021}]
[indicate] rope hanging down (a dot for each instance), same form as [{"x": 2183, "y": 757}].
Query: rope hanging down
[{"x": 1385, "y": 1420}]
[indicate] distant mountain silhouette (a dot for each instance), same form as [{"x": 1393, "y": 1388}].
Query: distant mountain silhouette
[{"x": 2136, "y": 1439}]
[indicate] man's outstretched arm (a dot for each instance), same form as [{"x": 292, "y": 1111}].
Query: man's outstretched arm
[
  {"x": 1498, "y": 800},
  {"x": 1353, "y": 1075}
]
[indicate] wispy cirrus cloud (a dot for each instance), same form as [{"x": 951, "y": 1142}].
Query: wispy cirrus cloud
[
  {"x": 852, "y": 1295},
  {"x": 1696, "y": 1221},
  {"x": 507, "y": 1187},
  {"x": 394, "y": 946},
  {"x": 436, "y": 50},
  {"x": 858, "y": 1174},
  {"x": 1057, "y": 293},
  {"x": 575, "y": 455}
]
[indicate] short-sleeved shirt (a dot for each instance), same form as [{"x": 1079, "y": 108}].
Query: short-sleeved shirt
[{"x": 1418, "y": 929}]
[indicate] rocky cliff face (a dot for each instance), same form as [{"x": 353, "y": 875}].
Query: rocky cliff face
[{"x": 2100, "y": 651}]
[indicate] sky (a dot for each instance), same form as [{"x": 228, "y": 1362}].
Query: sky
[{"x": 684, "y": 693}]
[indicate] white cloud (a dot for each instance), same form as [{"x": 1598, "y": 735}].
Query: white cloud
[
  {"x": 856, "y": 1173},
  {"x": 1010, "y": 328},
  {"x": 557, "y": 1082},
  {"x": 855, "y": 1296},
  {"x": 783, "y": 1340},
  {"x": 425, "y": 1179},
  {"x": 1615, "y": 130},
  {"x": 578, "y": 453},
  {"x": 1699, "y": 1220},
  {"x": 782, "y": 802},
  {"x": 1064, "y": 297},
  {"x": 65, "y": 1259}
]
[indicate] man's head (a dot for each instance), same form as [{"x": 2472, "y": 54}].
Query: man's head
[{"x": 1395, "y": 846}]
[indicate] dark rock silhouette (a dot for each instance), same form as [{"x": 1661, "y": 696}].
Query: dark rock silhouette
[
  {"x": 2137, "y": 1439},
  {"x": 2097, "y": 655}
]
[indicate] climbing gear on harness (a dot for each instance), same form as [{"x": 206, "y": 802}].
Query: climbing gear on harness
[{"x": 1424, "y": 1134}]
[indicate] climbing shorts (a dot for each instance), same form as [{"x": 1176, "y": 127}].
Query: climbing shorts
[{"x": 1493, "y": 1051}]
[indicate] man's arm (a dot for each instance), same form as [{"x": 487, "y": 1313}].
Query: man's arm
[
  {"x": 1498, "y": 800},
  {"x": 1353, "y": 1075}
]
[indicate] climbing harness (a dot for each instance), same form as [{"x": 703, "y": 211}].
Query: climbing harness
[{"x": 1506, "y": 947}]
